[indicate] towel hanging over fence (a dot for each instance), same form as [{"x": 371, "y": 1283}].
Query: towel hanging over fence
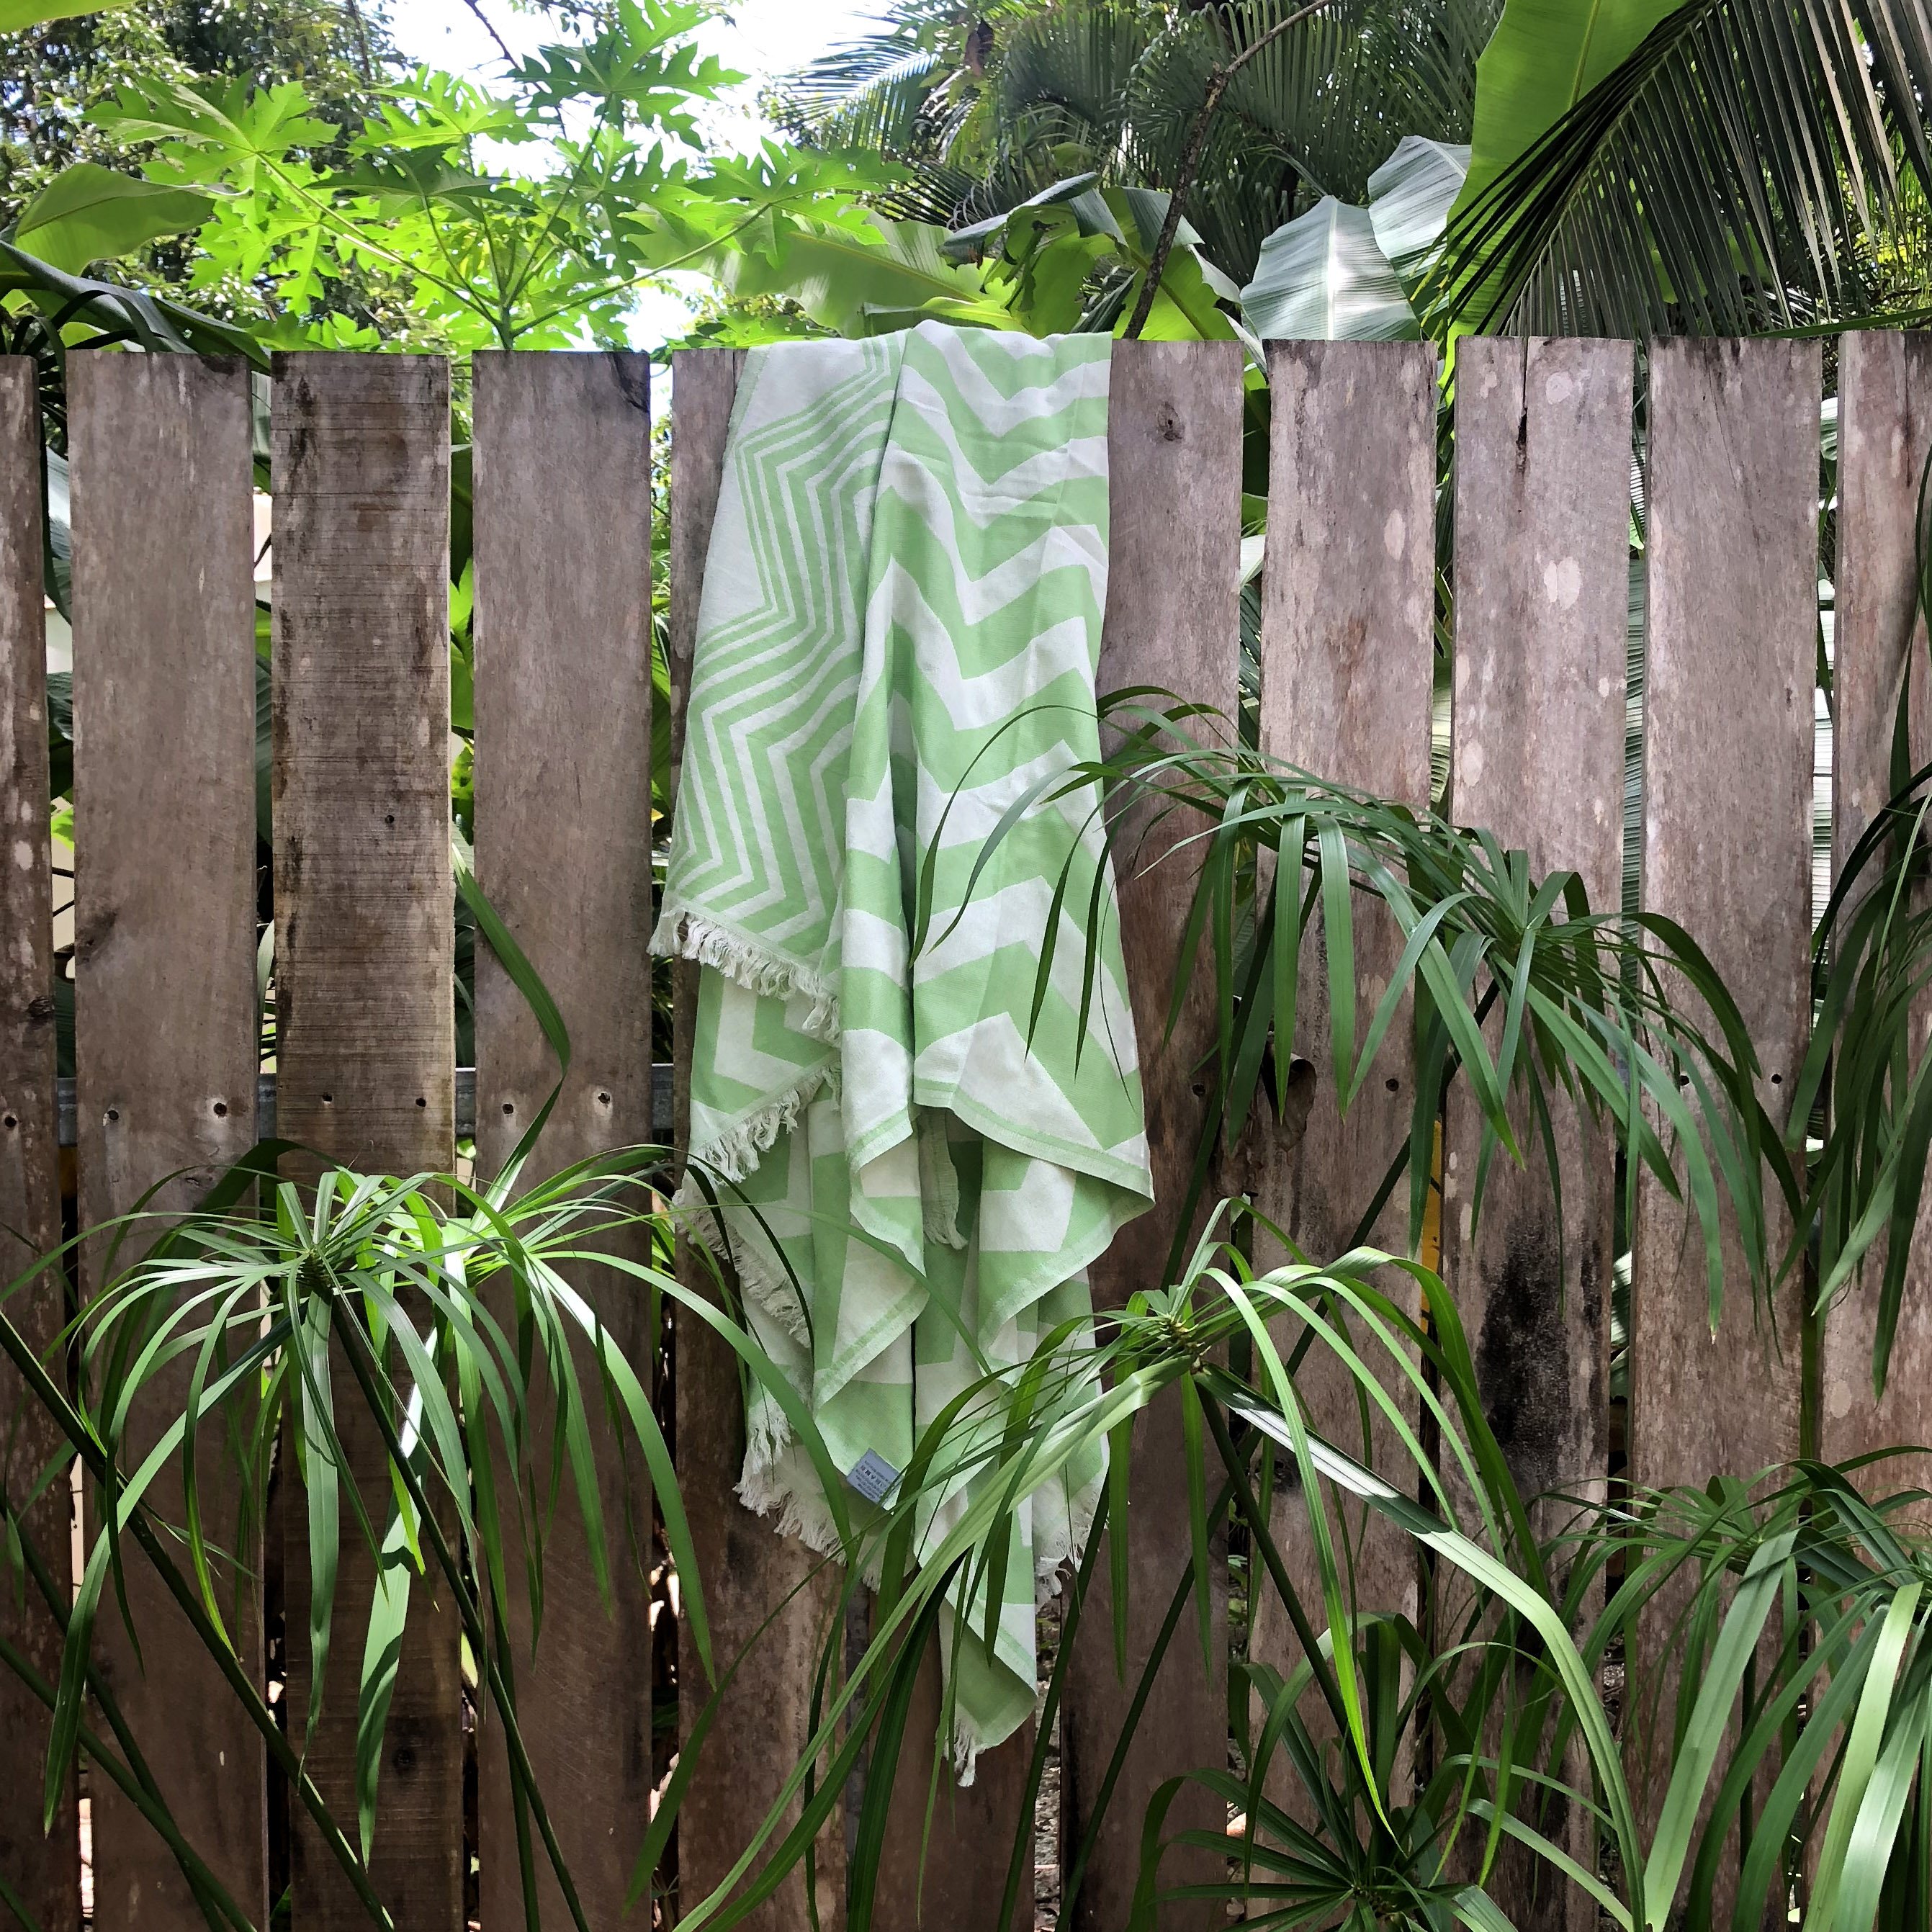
[{"x": 898, "y": 637}]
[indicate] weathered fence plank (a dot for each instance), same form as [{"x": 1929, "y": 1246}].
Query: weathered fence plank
[
  {"x": 563, "y": 668},
  {"x": 1543, "y": 442},
  {"x": 1347, "y": 654},
  {"x": 365, "y": 1046},
  {"x": 1173, "y": 440},
  {"x": 1731, "y": 589},
  {"x": 165, "y": 1014},
  {"x": 1885, "y": 427},
  {"x": 168, "y": 1047},
  {"x": 43, "y": 1867},
  {"x": 952, "y": 1879},
  {"x": 764, "y": 1720}
]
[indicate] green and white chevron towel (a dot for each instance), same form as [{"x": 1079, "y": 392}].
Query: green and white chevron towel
[{"x": 898, "y": 637}]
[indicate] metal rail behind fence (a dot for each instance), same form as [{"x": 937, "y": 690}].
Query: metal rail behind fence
[{"x": 466, "y": 1104}]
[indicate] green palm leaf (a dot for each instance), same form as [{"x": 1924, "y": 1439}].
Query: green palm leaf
[{"x": 1720, "y": 179}]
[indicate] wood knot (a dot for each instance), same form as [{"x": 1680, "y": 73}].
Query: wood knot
[{"x": 90, "y": 938}]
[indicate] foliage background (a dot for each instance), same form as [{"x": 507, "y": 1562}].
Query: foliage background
[{"x": 52, "y": 74}]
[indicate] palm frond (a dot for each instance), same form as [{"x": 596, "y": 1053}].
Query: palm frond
[
  {"x": 870, "y": 94},
  {"x": 1314, "y": 113},
  {"x": 1723, "y": 179}
]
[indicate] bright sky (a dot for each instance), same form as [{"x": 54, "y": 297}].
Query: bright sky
[{"x": 761, "y": 38}]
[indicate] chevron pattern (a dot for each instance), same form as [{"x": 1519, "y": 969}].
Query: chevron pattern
[{"x": 896, "y": 645}]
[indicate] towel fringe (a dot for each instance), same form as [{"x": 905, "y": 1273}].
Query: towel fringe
[
  {"x": 1058, "y": 1547},
  {"x": 772, "y": 1294},
  {"x": 686, "y": 934},
  {"x": 734, "y": 1155},
  {"x": 766, "y": 1486},
  {"x": 967, "y": 1743},
  {"x": 800, "y": 1513},
  {"x": 769, "y": 1290}
]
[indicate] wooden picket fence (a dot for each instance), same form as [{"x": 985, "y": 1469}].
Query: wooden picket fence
[{"x": 165, "y": 707}]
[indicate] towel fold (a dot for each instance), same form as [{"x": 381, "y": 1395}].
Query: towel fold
[{"x": 896, "y": 644}]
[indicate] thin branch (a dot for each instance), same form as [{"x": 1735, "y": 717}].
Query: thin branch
[
  {"x": 363, "y": 61},
  {"x": 651, "y": 274},
  {"x": 1236, "y": 1467},
  {"x": 99, "y": 1463},
  {"x": 586, "y": 152},
  {"x": 331, "y": 218},
  {"x": 1190, "y": 161},
  {"x": 475, "y": 7},
  {"x": 369, "y": 1377},
  {"x": 215, "y": 1904},
  {"x": 133, "y": 1777}
]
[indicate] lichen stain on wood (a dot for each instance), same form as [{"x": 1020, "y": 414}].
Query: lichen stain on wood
[{"x": 1523, "y": 1362}]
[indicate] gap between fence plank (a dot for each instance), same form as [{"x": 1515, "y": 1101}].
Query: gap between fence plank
[
  {"x": 562, "y": 670},
  {"x": 1348, "y": 656},
  {"x": 44, "y": 1867},
  {"x": 165, "y": 1022},
  {"x": 1173, "y": 621},
  {"x": 365, "y": 1035},
  {"x": 1885, "y": 427},
  {"x": 763, "y": 1722},
  {"x": 1732, "y": 591},
  {"x": 1543, "y": 446}
]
